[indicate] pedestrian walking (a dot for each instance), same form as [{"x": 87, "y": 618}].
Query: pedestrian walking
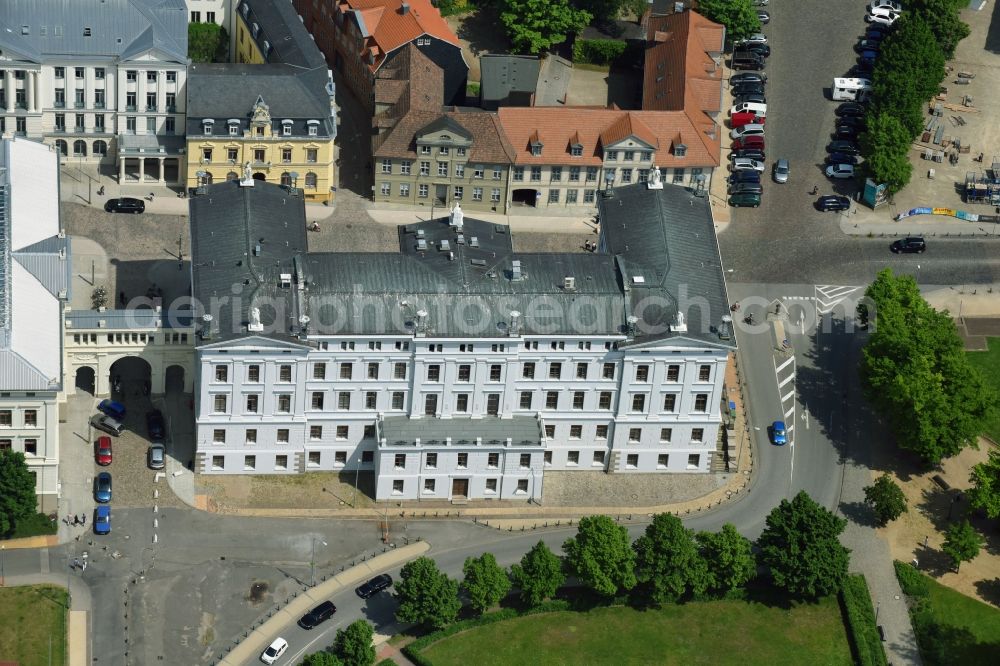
[
  {"x": 815, "y": 190},
  {"x": 926, "y": 538}
]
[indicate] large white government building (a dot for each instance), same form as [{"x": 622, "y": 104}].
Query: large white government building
[{"x": 456, "y": 367}]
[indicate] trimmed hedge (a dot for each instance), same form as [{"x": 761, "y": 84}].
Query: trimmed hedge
[
  {"x": 413, "y": 649},
  {"x": 597, "y": 51},
  {"x": 35, "y": 524},
  {"x": 912, "y": 581},
  {"x": 856, "y": 603}
]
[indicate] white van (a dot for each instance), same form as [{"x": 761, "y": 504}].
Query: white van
[
  {"x": 750, "y": 107},
  {"x": 851, "y": 89}
]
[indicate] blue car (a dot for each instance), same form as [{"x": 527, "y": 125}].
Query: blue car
[
  {"x": 778, "y": 435},
  {"x": 102, "y": 519},
  {"x": 102, "y": 488},
  {"x": 115, "y": 410}
]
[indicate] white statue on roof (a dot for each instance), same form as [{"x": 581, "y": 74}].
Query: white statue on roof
[
  {"x": 255, "y": 324},
  {"x": 457, "y": 216},
  {"x": 654, "y": 182}
]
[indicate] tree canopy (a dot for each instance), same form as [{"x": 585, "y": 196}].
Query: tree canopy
[
  {"x": 887, "y": 143},
  {"x": 321, "y": 659},
  {"x": 668, "y": 560},
  {"x": 486, "y": 582},
  {"x": 207, "y": 42},
  {"x": 985, "y": 491},
  {"x": 914, "y": 370},
  {"x": 739, "y": 16},
  {"x": 534, "y": 26},
  {"x": 539, "y": 575},
  {"x": 354, "y": 644},
  {"x": 729, "y": 558},
  {"x": 800, "y": 546},
  {"x": 601, "y": 556},
  {"x": 425, "y": 595},
  {"x": 17, "y": 490},
  {"x": 962, "y": 543},
  {"x": 886, "y": 498}
]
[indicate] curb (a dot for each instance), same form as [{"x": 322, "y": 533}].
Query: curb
[
  {"x": 42, "y": 541},
  {"x": 260, "y": 636}
]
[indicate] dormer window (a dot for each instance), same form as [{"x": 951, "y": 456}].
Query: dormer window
[
  {"x": 245, "y": 9},
  {"x": 86, "y": 32},
  {"x": 576, "y": 150},
  {"x": 313, "y": 127},
  {"x": 680, "y": 150},
  {"x": 234, "y": 127},
  {"x": 536, "y": 149},
  {"x": 255, "y": 29},
  {"x": 206, "y": 126},
  {"x": 286, "y": 127},
  {"x": 267, "y": 47}
]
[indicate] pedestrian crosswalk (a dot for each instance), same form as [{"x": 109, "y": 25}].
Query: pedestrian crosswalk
[{"x": 827, "y": 297}]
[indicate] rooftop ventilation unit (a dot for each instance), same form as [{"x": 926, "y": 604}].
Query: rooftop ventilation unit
[
  {"x": 515, "y": 270},
  {"x": 444, "y": 246},
  {"x": 421, "y": 244},
  {"x": 285, "y": 280},
  {"x": 481, "y": 263},
  {"x": 420, "y": 233},
  {"x": 638, "y": 279},
  {"x": 474, "y": 241},
  {"x": 569, "y": 283}
]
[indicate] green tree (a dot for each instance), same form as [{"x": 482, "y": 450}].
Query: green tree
[
  {"x": 800, "y": 547},
  {"x": 353, "y": 645},
  {"x": 911, "y": 58},
  {"x": 602, "y": 11},
  {"x": 914, "y": 370},
  {"x": 887, "y": 499},
  {"x": 539, "y": 575},
  {"x": 729, "y": 557},
  {"x": 207, "y": 42},
  {"x": 486, "y": 582},
  {"x": 535, "y": 25},
  {"x": 886, "y": 143},
  {"x": 17, "y": 490},
  {"x": 985, "y": 491},
  {"x": 943, "y": 18},
  {"x": 425, "y": 595},
  {"x": 601, "y": 556},
  {"x": 962, "y": 543},
  {"x": 739, "y": 16},
  {"x": 321, "y": 659},
  {"x": 668, "y": 561}
]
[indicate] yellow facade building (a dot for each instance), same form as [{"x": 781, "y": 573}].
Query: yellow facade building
[{"x": 272, "y": 113}]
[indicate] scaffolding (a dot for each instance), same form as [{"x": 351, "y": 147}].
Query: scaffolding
[{"x": 983, "y": 187}]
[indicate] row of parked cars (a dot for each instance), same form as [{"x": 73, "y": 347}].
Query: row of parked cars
[
  {"x": 747, "y": 118},
  {"x": 110, "y": 419}
]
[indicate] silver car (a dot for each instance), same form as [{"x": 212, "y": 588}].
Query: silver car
[
  {"x": 156, "y": 456},
  {"x": 780, "y": 172}
]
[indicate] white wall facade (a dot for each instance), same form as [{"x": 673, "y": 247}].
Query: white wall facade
[
  {"x": 316, "y": 405},
  {"x": 29, "y": 423}
]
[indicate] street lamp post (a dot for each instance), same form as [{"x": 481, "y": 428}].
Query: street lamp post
[
  {"x": 878, "y": 605},
  {"x": 312, "y": 561}
]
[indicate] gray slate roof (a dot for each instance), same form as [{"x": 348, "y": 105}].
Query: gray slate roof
[
  {"x": 38, "y": 30},
  {"x": 227, "y": 90},
  {"x": 49, "y": 261},
  {"x": 404, "y": 431},
  {"x": 443, "y": 283},
  {"x": 504, "y": 75},
  {"x": 281, "y": 26},
  {"x": 229, "y": 274}
]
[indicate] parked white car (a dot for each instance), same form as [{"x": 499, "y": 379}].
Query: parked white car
[
  {"x": 882, "y": 10},
  {"x": 840, "y": 171},
  {"x": 756, "y": 38},
  {"x": 884, "y": 4},
  {"x": 747, "y": 163},
  {"x": 753, "y": 129},
  {"x": 889, "y": 19},
  {"x": 274, "y": 650}
]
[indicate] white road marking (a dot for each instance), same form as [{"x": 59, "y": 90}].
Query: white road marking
[
  {"x": 784, "y": 365},
  {"x": 790, "y": 394},
  {"x": 786, "y": 380},
  {"x": 831, "y": 295}
]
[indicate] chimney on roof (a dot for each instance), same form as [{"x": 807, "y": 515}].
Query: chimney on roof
[{"x": 404, "y": 8}]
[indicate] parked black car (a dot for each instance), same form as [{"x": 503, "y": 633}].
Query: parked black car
[
  {"x": 833, "y": 202},
  {"x": 124, "y": 205},
  {"x": 851, "y": 110},
  {"x": 748, "y": 89},
  {"x": 910, "y": 244},
  {"x": 744, "y": 176},
  {"x": 155, "y": 425},
  {"x": 843, "y": 158},
  {"x": 756, "y": 98},
  {"x": 847, "y": 147},
  {"x": 318, "y": 615},
  {"x": 852, "y": 121},
  {"x": 374, "y": 586},
  {"x": 748, "y": 77},
  {"x": 846, "y": 132},
  {"x": 763, "y": 50}
]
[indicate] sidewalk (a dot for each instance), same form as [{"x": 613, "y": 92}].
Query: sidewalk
[
  {"x": 863, "y": 221},
  {"x": 77, "y": 622},
  {"x": 264, "y": 633}
]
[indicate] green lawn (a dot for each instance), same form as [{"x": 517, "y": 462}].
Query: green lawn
[
  {"x": 711, "y": 632},
  {"x": 29, "y": 617},
  {"x": 989, "y": 363},
  {"x": 967, "y": 630}
]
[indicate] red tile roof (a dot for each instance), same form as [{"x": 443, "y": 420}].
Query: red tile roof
[
  {"x": 680, "y": 73},
  {"x": 389, "y": 28},
  {"x": 489, "y": 145},
  {"x": 592, "y": 127}
]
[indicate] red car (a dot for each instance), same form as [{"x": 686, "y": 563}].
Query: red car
[
  {"x": 103, "y": 454},
  {"x": 740, "y": 119},
  {"x": 752, "y": 141}
]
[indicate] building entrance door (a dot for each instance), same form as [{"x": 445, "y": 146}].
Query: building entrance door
[
  {"x": 459, "y": 488},
  {"x": 441, "y": 194}
]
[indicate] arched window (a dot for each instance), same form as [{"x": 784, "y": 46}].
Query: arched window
[
  {"x": 232, "y": 175},
  {"x": 286, "y": 179},
  {"x": 101, "y": 148},
  {"x": 62, "y": 147},
  {"x": 79, "y": 148},
  {"x": 311, "y": 180}
]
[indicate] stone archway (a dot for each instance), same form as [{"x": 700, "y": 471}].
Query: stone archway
[
  {"x": 259, "y": 176},
  {"x": 173, "y": 380},
  {"x": 86, "y": 379},
  {"x": 130, "y": 378}
]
